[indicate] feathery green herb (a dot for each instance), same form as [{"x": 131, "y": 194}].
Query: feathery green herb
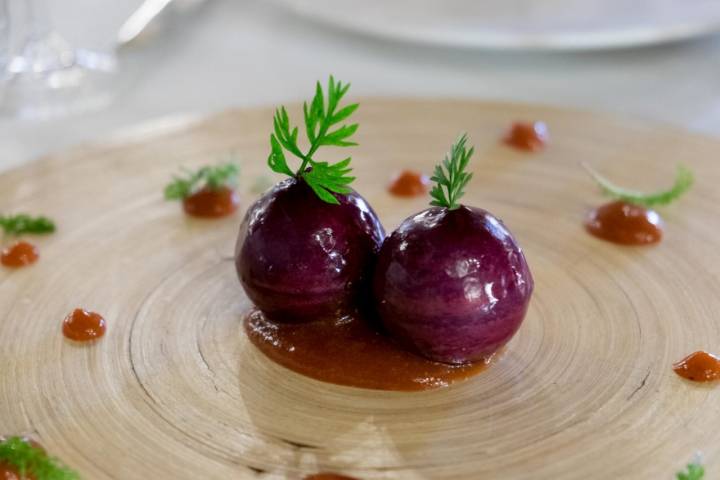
[
  {"x": 449, "y": 183},
  {"x": 694, "y": 471},
  {"x": 683, "y": 181},
  {"x": 29, "y": 460},
  {"x": 213, "y": 177},
  {"x": 21, "y": 224},
  {"x": 322, "y": 127}
]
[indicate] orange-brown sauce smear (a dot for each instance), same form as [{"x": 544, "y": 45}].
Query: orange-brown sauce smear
[
  {"x": 625, "y": 223},
  {"x": 528, "y": 136},
  {"x": 83, "y": 326},
  {"x": 209, "y": 203},
  {"x": 699, "y": 367},
  {"x": 322, "y": 476},
  {"x": 19, "y": 255},
  {"x": 350, "y": 352},
  {"x": 409, "y": 184}
]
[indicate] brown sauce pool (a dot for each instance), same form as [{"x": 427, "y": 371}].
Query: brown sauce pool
[
  {"x": 409, "y": 184},
  {"x": 699, "y": 367},
  {"x": 19, "y": 255},
  {"x": 530, "y": 137},
  {"x": 350, "y": 352},
  {"x": 625, "y": 223},
  {"x": 208, "y": 203},
  {"x": 83, "y": 326}
]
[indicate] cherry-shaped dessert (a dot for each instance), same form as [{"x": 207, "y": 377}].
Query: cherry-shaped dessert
[
  {"x": 630, "y": 219},
  {"x": 451, "y": 283},
  {"x": 208, "y": 192},
  {"x": 306, "y": 248}
]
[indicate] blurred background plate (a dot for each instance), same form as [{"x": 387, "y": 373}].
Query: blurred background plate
[{"x": 519, "y": 24}]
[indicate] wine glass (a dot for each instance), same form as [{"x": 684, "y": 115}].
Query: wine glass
[{"x": 43, "y": 75}]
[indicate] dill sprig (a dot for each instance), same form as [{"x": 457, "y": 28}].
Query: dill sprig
[
  {"x": 32, "y": 461},
  {"x": 449, "y": 183},
  {"x": 693, "y": 471},
  {"x": 213, "y": 177},
  {"x": 683, "y": 181},
  {"x": 322, "y": 119},
  {"x": 22, "y": 223}
]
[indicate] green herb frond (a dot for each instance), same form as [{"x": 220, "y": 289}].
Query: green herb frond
[
  {"x": 29, "y": 460},
  {"x": 22, "y": 223},
  {"x": 693, "y": 471},
  {"x": 324, "y": 127},
  {"x": 683, "y": 181},
  {"x": 450, "y": 182},
  {"x": 213, "y": 177}
]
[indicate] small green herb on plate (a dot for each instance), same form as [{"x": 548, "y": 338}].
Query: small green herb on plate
[
  {"x": 213, "y": 177},
  {"x": 324, "y": 126},
  {"x": 29, "y": 460},
  {"x": 693, "y": 471},
  {"x": 449, "y": 183},
  {"x": 22, "y": 223},
  {"x": 683, "y": 181}
]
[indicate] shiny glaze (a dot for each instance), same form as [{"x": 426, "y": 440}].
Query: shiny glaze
[
  {"x": 299, "y": 258},
  {"x": 350, "y": 351},
  {"x": 453, "y": 285},
  {"x": 19, "y": 254},
  {"x": 409, "y": 184},
  {"x": 83, "y": 326},
  {"x": 625, "y": 223},
  {"x": 699, "y": 367},
  {"x": 208, "y": 203},
  {"x": 530, "y": 137}
]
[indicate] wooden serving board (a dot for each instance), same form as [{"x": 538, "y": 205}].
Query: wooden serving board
[{"x": 175, "y": 390}]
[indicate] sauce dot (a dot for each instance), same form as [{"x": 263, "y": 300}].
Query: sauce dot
[
  {"x": 83, "y": 326},
  {"x": 19, "y": 254},
  {"x": 8, "y": 472},
  {"x": 531, "y": 137},
  {"x": 699, "y": 367},
  {"x": 409, "y": 184},
  {"x": 625, "y": 223},
  {"x": 208, "y": 203}
]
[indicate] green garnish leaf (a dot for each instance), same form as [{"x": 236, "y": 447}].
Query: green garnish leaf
[
  {"x": 323, "y": 117},
  {"x": 683, "y": 181},
  {"x": 212, "y": 177},
  {"x": 22, "y": 223},
  {"x": 450, "y": 183},
  {"x": 29, "y": 460},
  {"x": 694, "y": 471}
]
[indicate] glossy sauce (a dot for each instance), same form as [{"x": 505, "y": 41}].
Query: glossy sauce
[
  {"x": 83, "y": 326},
  {"x": 321, "y": 476},
  {"x": 409, "y": 184},
  {"x": 350, "y": 352},
  {"x": 531, "y": 137},
  {"x": 624, "y": 223},
  {"x": 19, "y": 254},
  {"x": 207, "y": 203},
  {"x": 699, "y": 367}
]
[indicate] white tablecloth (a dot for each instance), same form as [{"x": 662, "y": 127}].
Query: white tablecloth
[{"x": 248, "y": 52}]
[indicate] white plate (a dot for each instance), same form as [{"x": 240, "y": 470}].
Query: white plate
[{"x": 520, "y": 24}]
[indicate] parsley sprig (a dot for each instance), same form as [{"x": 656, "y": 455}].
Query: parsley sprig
[
  {"x": 693, "y": 471},
  {"x": 213, "y": 177},
  {"x": 683, "y": 181},
  {"x": 31, "y": 461},
  {"x": 22, "y": 223},
  {"x": 323, "y": 119},
  {"x": 449, "y": 183}
]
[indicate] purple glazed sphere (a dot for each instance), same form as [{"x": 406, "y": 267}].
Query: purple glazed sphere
[
  {"x": 299, "y": 258},
  {"x": 452, "y": 285}
]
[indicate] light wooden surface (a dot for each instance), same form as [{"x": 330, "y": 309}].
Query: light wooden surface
[{"x": 175, "y": 391}]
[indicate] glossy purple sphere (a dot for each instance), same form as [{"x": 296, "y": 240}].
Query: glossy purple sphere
[
  {"x": 299, "y": 258},
  {"x": 452, "y": 285}
]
